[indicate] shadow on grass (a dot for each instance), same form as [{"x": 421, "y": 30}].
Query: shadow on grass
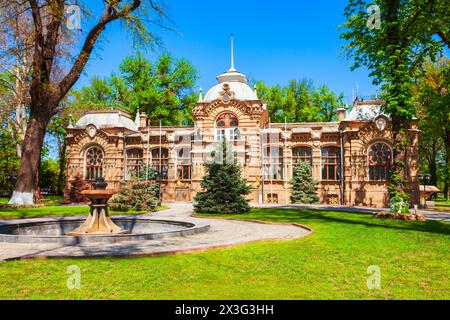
[{"x": 305, "y": 216}]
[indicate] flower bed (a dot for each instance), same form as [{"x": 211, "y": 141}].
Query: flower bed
[{"x": 405, "y": 217}]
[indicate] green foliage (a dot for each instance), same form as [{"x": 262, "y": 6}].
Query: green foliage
[
  {"x": 398, "y": 205},
  {"x": 432, "y": 99},
  {"x": 224, "y": 188},
  {"x": 300, "y": 101},
  {"x": 304, "y": 187},
  {"x": 392, "y": 53},
  {"x": 163, "y": 88},
  {"x": 9, "y": 163},
  {"x": 137, "y": 196},
  {"x": 49, "y": 176}
]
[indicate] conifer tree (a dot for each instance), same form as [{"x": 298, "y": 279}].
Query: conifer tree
[
  {"x": 303, "y": 185},
  {"x": 224, "y": 188}
]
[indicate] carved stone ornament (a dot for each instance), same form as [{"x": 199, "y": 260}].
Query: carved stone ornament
[
  {"x": 91, "y": 131},
  {"x": 381, "y": 123},
  {"x": 316, "y": 134},
  {"x": 226, "y": 95}
]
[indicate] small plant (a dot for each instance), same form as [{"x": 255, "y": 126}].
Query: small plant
[
  {"x": 398, "y": 205},
  {"x": 138, "y": 196}
]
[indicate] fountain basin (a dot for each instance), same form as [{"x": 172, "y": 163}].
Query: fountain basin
[{"x": 58, "y": 230}]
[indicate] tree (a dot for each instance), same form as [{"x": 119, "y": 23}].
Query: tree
[
  {"x": 138, "y": 196},
  {"x": 300, "y": 101},
  {"x": 391, "y": 52},
  {"x": 303, "y": 185},
  {"x": 47, "y": 89},
  {"x": 164, "y": 88},
  {"x": 224, "y": 188},
  {"x": 432, "y": 98}
]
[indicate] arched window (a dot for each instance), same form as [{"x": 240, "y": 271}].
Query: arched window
[
  {"x": 160, "y": 163},
  {"x": 94, "y": 160},
  {"x": 380, "y": 159},
  {"x": 227, "y": 127},
  {"x": 184, "y": 165},
  {"x": 331, "y": 163},
  {"x": 134, "y": 163},
  {"x": 302, "y": 154},
  {"x": 273, "y": 163}
]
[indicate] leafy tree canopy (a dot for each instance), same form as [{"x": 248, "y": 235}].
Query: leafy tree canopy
[{"x": 164, "y": 88}]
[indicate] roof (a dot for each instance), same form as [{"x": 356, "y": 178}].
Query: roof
[
  {"x": 238, "y": 84},
  {"x": 107, "y": 119},
  {"x": 365, "y": 110}
]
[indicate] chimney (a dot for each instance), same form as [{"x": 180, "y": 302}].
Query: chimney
[
  {"x": 341, "y": 114},
  {"x": 143, "y": 120}
]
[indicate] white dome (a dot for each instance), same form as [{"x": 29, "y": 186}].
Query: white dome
[
  {"x": 238, "y": 84},
  {"x": 108, "y": 119}
]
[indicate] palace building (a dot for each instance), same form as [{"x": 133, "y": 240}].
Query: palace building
[{"x": 350, "y": 158}]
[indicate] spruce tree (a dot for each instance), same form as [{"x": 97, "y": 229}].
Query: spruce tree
[
  {"x": 224, "y": 188},
  {"x": 303, "y": 185}
]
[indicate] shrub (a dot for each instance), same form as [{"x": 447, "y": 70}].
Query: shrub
[
  {"x": 303, "y": 185},
  {"x": 398, "y": 205},
  {"x": 224, "y": 188},
  {"x": 137, "y": 196}
]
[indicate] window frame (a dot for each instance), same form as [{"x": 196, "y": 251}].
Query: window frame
[
  {"x": 385, "y": 167},
  {"x": 91, "y": 171},
  {"x": 273, "y": 166},
  {"x": 326, "y": 164},
  {"x": 134, "y": 162}
]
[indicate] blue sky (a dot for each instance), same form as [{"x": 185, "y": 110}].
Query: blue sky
[{"x": 274, "y": 42}]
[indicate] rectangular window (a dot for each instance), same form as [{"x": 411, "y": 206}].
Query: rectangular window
[{"x": 331, "y": 163}]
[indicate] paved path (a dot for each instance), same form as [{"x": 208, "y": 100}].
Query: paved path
[
  {"x": 431, "y": 215},
  {"x": 223, "y": 233}
]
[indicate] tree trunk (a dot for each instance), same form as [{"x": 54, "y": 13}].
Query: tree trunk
[
  {"x": 31, "y": 154},
  {"x": 398, "y": 172}
]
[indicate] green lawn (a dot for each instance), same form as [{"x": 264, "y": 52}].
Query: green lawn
[
  {"x": 330, "y": 264},
  {"x": 442, "y": 205},
  {"x": 51, "y": 209}
]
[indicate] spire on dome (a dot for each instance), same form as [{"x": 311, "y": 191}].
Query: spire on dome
[{"x": 232, "y": 69}]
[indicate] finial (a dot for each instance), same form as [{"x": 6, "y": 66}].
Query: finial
[
  {"x": 70, "y": 126},
  {"x": 232, "y": 53},
  {"x": 200, "y": 96},
  {"x": 256, "y": 92}
]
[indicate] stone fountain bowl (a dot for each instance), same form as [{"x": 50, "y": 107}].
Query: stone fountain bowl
[{"x": 57, "y": 230}]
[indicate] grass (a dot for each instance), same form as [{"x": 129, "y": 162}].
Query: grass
[
  {"x": 330, "y": 264},
  {"x": 442, "y": 205},
  {"x": 51, "y": 209}
]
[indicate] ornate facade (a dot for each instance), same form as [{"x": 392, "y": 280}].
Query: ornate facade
[{"x": 350, "y": 158}]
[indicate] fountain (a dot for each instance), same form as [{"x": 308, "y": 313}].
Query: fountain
[
  {"x": 98, "y": 228},
  {"x": 98, "y": 222}
]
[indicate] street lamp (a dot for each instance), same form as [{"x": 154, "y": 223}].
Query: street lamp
[{"x": 426, "y": 180}]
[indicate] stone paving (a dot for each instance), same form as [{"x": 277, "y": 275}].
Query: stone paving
[{"x": 223, "y": 233}]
